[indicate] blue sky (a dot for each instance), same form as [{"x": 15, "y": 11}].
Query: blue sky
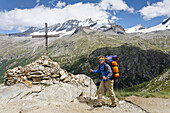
[{"x": 19, "y": 15}]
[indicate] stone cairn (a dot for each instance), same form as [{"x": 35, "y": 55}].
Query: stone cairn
[{"x": 43, "y": 71}]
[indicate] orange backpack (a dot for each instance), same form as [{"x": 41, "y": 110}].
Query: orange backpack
[
  {"x": 115, "y": 69},
  {"x": 112, "y": 61}
]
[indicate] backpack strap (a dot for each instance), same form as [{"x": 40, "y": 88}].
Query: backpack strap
[
  {"x": 105, "y": 67},
  {"x": 108, "y": 68}
]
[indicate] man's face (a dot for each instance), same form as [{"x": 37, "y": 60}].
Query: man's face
[{"x": 101, "y": 61}]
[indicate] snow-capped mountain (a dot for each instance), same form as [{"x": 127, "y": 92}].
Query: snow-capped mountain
[
  {"x": 139, "y": 28},
  {"x": 27, "y": 32},
  {"x": 71, "y": 26},
  {"x": 135, "y": 28},
  {"x": 96, "y": 24},
  {"x": 52, "y": 28},
  {"x": 88, "y": 22}
]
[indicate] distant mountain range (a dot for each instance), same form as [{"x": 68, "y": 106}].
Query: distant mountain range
[
  {"x": 164, "y": 25},
  {"x": 71, "y": 26}
]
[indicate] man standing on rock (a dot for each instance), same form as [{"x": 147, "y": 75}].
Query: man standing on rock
[{"x": 107, "y": 82}]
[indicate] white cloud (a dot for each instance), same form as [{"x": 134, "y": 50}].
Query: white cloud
[
  {"x": 156, "y": 9},
  {"x": 38, "y": 1},
  {"x": 114, "y": 18},
  {"x": 37, "y": 16},
  {"x": 115, "y": 5},
  {"x": 61, "y": 4},
  {"x": 148, "y": 3}
]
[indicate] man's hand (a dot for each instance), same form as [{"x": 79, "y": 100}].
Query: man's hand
[
  {"x": 104, "y": 78},
  {"x": 91, "y": 70}
]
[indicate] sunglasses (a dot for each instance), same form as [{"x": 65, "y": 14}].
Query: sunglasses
[{"x": 101, "y": 60}]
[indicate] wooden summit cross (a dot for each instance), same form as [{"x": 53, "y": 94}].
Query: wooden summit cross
[{"x": 46, "y": 38}]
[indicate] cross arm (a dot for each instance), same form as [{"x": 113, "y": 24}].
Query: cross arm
[{"x": 49, "y": 36}]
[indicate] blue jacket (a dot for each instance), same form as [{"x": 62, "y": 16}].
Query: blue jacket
[{"x": 107, "y": 73}]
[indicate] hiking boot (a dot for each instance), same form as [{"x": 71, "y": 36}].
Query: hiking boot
[
  {"x": 97, "y": 105},
  {"x": 113, "y": 105}
]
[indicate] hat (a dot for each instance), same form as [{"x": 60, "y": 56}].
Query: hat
[{"x": 101, "y": 57}]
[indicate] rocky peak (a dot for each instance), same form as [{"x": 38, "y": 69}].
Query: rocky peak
[
  {"x": 52, "y": 28},
  {"x": 88, "y": 22},
  {"x": 69, "y": 25},
  {"x": 166, "y": 21},
  {"x": 136, "y": 28},
  {"x": 32, "y": 29},
  {"x": 27, "y": 32}
]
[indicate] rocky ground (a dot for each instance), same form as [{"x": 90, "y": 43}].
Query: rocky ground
[
  {"x": 143, "y": 105},
  {"x": 56, "y": 98},
  {"x": 73, "y": 107},
  {"x": 152, "y": 105}
]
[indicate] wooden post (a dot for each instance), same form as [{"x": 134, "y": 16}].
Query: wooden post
[{"x": 46, "y": 38}]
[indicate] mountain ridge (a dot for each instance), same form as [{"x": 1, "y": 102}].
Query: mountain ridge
[
  {"x": 164, "y": 25},
  {"x": 70, "y": 26}
]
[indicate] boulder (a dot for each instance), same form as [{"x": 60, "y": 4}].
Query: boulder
[
  {"x": 36, "y": 88},
  {"x": 48, "y": 74},
  {"x": 46, "y": 78},
  {"x": 34, "y": 69},
  {"x": 19, "y": 67},
  {"x": 49, "y": 82},
  {"x": 91, "y": 88},
  {"x": 41, "y": 68},
  {"x": 9, "y": 74},
  {"x": 36, "y": 73},
  {"x": 37, "y": 79},
  {"x": 55, "y": 64},
  {"x": 66, "y": 80},
  {"x": 63, "y": 76},
  {"x": 35, "y": 76},
  {"x": 39, "y": 61},
  {"x": 62, "y": 72},
  {"x": 13, "y": 93},
  {"x": 12, "y": 70},
  {"x": 54, "y": 76},
  {"x": 59, "y": 94},
  {"x": 43, "y": 81},
  {"x": 36, "y": 83},
  {"x": 45, "y": 63},
  {"x": 27, "y": 83},
  {"x": 53, "y": 71}
]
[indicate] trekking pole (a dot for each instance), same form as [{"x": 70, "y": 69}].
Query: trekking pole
[
  {"x": 105, "y": 92},
  {"x": 90, "y": 75},
  {"x": 90, "y": 87}
]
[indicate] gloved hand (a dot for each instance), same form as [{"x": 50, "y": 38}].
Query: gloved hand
[{"x": 91, "y": 70}]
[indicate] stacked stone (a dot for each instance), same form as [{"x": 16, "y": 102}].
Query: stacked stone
[{"x": 42, "y": 71}]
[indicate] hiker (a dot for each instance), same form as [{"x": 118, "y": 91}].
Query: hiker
[{"x": 107, "y": 82}]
